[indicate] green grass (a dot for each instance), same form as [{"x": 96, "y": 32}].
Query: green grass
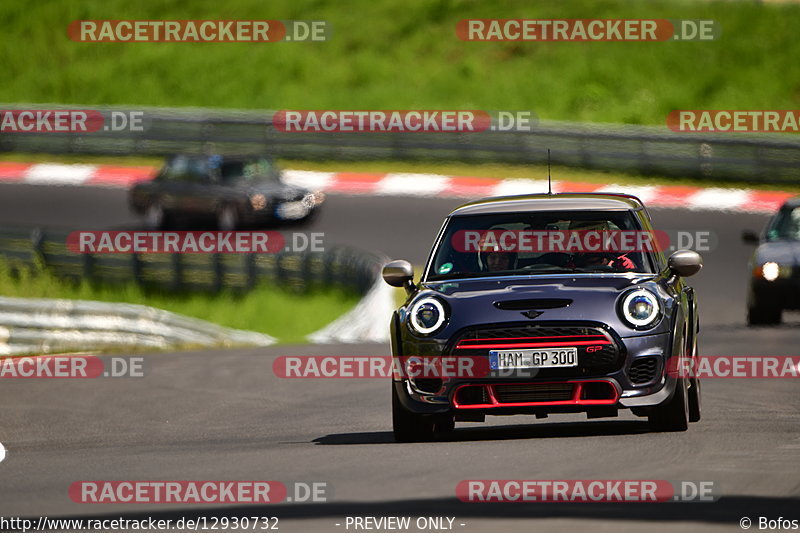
[
  {"x": 285, "y": 315},
  {"x": 396, "y": 55}
]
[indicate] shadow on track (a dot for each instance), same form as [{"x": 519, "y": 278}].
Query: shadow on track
[{"x": 537, "y": 431}]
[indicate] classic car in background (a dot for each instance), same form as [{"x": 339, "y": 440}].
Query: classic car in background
[{"x": 233, "y": 191}]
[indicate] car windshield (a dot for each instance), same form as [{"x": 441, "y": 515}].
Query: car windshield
[
  {"x": 786, "y": 225},
  {"x": 538, "y": 243},
  {"x": 260, "y": 169}
]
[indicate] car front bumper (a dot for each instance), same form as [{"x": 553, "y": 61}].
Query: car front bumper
[{"x": 615, "y": 390}]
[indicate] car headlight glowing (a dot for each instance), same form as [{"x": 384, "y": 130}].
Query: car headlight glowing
[
  {"x": 308, "y": 200},
  {"x": 313, "y": 199},
  {"x": 641, "y": 308},
  {"x": 427, "y": 315},
  {"x": 770, "y": 271},
  {"x": 258, "y": 201}
]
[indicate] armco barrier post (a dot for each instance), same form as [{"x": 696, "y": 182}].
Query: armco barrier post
[
  {"x": 37, "y": 243},
  {"x": 307, "y": 271},
  {"x": 250, "y": 271},
  {"x": 177, "y": 272},
  {"x": 218, "y": 269},
  {"x": 136, "y": 267},
  {"x": 88, "y": 266}
]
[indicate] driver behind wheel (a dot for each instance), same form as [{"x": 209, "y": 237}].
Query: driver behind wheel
[
  {"x": 617, "y": 261},
  {"x": 499, "y": 261},
  {"x": 491, "y": 258}
]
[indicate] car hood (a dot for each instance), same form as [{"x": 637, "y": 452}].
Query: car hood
[
  {"x": 590, "y": 298},
  {"x": 782, "y": 252}
]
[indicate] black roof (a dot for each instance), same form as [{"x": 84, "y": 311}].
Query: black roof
[
  {"x": 551, "y": 202},
  {"x": 223, "y": 157},
  {"x": 792, "y": 202}
]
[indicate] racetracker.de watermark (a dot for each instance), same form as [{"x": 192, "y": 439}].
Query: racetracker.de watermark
[
  {"x": 735, "y": 366},
  {"x": 734, "y": 121},
  {"x": 587, "y": 30},
  {"x": 584, "y": 490},
  {"x": 563, "y": 241},
  {"x": 72, "y": 366},
  {"x": 480, "y": 366},
  {"x": 193, "y": 242},
  {"x": 198, "y": 31},
  {"x": 70, "y": 121},
  {"x": 199, "y": 492},
  {"x": 402, "y": 120},
  {"x": 380, "y": 366}
]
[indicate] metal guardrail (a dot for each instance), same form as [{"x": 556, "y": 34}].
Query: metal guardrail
[
  {"x": 44, "y": 325},
  {"x": 342, "y": 266},
  {"x": 635, "y": 149}
]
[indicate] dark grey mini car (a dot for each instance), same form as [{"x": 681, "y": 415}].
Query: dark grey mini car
[
  {"x": 549, "y": 331},
  {"x": 775, "y": 266},
  {"x": 233, "y": 191}
]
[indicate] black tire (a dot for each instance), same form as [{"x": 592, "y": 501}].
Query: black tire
[
  {"x": 695, "y": 400},
  {"x": 444, "y": 424},
  {"x": 227, "y": 218},
  {"x": 695, "y": 391},
  {"x": 763, "y": 316},
  {"x": 155, "y": 218},
  {"x": 672, "y": 415},
  {"x": 408, "y": 426}
]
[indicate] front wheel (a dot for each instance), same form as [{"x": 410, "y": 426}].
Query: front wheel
[
  {"x": 672, "y": 415},
  {"x": 227, "y": 218},
  {"x": 695, "y": 400},
  {"x": 763, "y": 316},
  {"x": 154, "y": 216},
  {"x": 695, "y": 397},
  {"x": 413, "y": 427}
]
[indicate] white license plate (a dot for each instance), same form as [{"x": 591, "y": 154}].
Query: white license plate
[
  {"x": 292, "y": 210},
  {"x": 541, "y": 358}
]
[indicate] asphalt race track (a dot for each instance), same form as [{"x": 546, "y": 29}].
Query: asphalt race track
[{"x": 224, "y": 415}]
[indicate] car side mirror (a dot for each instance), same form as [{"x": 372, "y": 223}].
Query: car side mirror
[
  {"x": 399, "y": 273},
  {"x": 685, "y": 263},
  {"x": 750, "y": 237}
]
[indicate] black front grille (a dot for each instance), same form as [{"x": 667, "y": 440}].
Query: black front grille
[
  {"x": 643, "y": 370},
  {"x": 539, "y": 331},
  {"x": 430, "y": 385},
  {"x": 473, "y": 396},
  {"x": 598, "y": 352},
  {"x": 533, "y": 392}
]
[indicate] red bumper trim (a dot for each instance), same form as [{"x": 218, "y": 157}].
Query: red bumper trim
[{"x": 575, "y": 399}]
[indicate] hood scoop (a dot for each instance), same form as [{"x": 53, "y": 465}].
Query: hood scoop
[{"x": 532, "y": 303}]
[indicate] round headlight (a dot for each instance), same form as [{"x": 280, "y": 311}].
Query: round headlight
[
  {"x": 641, "y": 308},
  {"x": 770, "y": 271},
  {"x": 427, "y": 315},
  {"x": 258, "y": 201},
  {"x": 309, "y": 200}
]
